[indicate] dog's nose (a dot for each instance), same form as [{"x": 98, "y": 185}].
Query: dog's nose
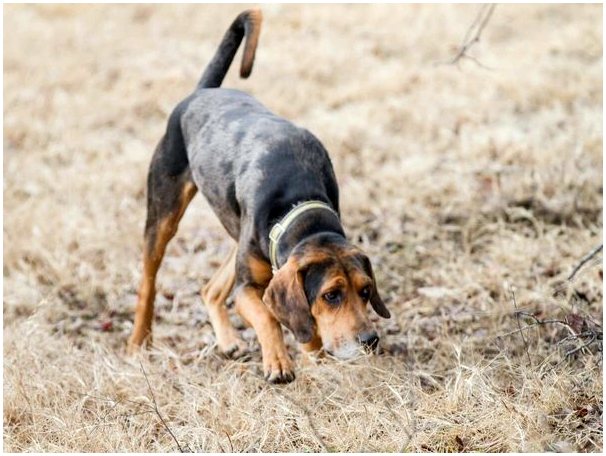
[{"x": 370, "y": 340}]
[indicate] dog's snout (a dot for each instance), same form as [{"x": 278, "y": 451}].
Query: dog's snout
[{"x": 370, "y": 340}]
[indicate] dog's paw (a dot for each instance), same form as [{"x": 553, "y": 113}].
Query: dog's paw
[
  {"x": 136, "y": 344},
  {"x": 236, "y": 349},
  {"x": 278, "y": 368}
]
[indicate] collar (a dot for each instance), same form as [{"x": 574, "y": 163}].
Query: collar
[{"x": 280, "y": 228}]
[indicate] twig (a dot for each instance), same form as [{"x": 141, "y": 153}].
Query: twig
[
  {"x": 575, "y": 350},
  {"x": 595, "y": 335},
  {"x": 151, "y": 392},
  {"x": 538, "y": 321},
  {"x": 314, "y": 431},
  {"x": 590, "y": 334},
  {"x": 585, "y": 260},
  {"x": 585, "y": 345},
  {"x": 231, "y": 446},
  {"x": 396, "y": 417},
  {"x": 471, "y": 38},
  {"x": 515, "y": 305},
  {"x": 577, "y": 336},
  {"x": 533, "y": 325}
]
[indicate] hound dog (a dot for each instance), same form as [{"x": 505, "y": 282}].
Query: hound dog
[{"x": 272, "y": 186}]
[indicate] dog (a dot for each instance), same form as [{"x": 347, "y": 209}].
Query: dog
[{"x": 272, "y": 186}]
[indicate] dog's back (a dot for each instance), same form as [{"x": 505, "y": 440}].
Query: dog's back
[
  {"x": 241, "y": 153},
  {"x": 241, "y": 156}
]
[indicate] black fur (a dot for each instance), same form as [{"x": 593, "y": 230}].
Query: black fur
[
  {"x": 314, "y": 278},
  {"x": 251, "y": 165}
]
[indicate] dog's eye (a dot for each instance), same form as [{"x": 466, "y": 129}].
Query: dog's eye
[
  {"x": 332, "y": 297},
  {"x": 365, "y": 293}
]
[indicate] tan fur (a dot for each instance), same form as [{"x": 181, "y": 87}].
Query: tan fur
[
  {"x": 313, "y": 346},
  {"x": 340, "y": 326},
  {"x": 286, "y": 300},
  {"x": 248, "y": 56},
  {"x": 214, "y": 295},
  {"x": 260, "y": 271},
  {"x": 152, "y": 259},
  {"x": 276, "y": 361}
]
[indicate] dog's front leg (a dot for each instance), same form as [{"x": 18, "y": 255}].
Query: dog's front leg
[{"x": 277, "y": 365}]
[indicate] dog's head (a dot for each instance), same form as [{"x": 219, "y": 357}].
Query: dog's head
[{"x": 323, "y": 290}]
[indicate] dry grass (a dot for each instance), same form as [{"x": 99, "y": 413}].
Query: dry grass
[{"x": 459, "y": 182}]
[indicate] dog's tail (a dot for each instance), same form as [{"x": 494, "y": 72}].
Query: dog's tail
[{"x": 246, "y": 24}]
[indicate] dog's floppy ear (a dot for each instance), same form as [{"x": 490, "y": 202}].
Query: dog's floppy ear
[
  {"x": 375, "y": 299},
  {"x": 286, "y": 299}
]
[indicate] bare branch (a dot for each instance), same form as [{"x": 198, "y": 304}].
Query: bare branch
[
  {"x": 533, "y": 325},
  {"x": 231, "y": 446},
  {"x": 153, "y": 398},
  {"x": 585, "y": 260},
  {"x": 594, "y": 335},
  {"x": 515, "y": 305},
  {"x": 577, "y": 336},
  {"x": 473, "y": 35},
  {"x": 538, "y": 321},
  {"x": 585, "y": 345}
]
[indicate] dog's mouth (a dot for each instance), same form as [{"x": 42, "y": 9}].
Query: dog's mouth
[
  {"x": 364, "y": 344},
  {"x": 347, "y": 351}
]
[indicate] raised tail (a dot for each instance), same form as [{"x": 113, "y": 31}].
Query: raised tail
[{"x": 248, "y": 24}]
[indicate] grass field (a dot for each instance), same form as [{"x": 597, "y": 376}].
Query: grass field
[{"x": 467, "y": 185}]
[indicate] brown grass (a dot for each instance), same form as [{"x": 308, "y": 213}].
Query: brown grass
[{"x": 459, "y": 182}]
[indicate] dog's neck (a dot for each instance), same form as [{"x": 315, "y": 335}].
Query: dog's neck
[{"x": 306, "y": 224}]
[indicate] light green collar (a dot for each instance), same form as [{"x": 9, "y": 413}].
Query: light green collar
[{"x": 280, "y": 228}]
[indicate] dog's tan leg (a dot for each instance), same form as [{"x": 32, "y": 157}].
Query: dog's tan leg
[
  {"x": 214, "y": 295},
  {"x": 277, "y": 365},
  {"x": 157, "y": 235}
]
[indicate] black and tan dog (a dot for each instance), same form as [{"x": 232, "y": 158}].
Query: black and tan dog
[{"x": 273, "y": 188}]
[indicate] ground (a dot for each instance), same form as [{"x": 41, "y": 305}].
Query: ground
[{"x": 468, "y": 185}]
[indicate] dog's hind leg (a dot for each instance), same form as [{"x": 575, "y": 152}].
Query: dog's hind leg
[
  {"x": 168, "y": 195},
  {"x": 214, "y": 295}
]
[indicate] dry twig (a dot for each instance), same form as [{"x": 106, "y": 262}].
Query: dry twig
[
  {"x": 153, "y": 398},
  {"x": 594, "y": 335},
  {"x": 517, "y": 314},
  {"x": 585, "y": 260},
  {"x": 472, "y": 36},
  {"x": 231, "y": 445},
  {"x": 539, "y": 322}
]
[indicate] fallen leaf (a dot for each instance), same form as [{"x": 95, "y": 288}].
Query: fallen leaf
[
  {"x": 583, "y": 411},
  {"x": 460, "y": 443},
  {"x": 106, "y": 326}
]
